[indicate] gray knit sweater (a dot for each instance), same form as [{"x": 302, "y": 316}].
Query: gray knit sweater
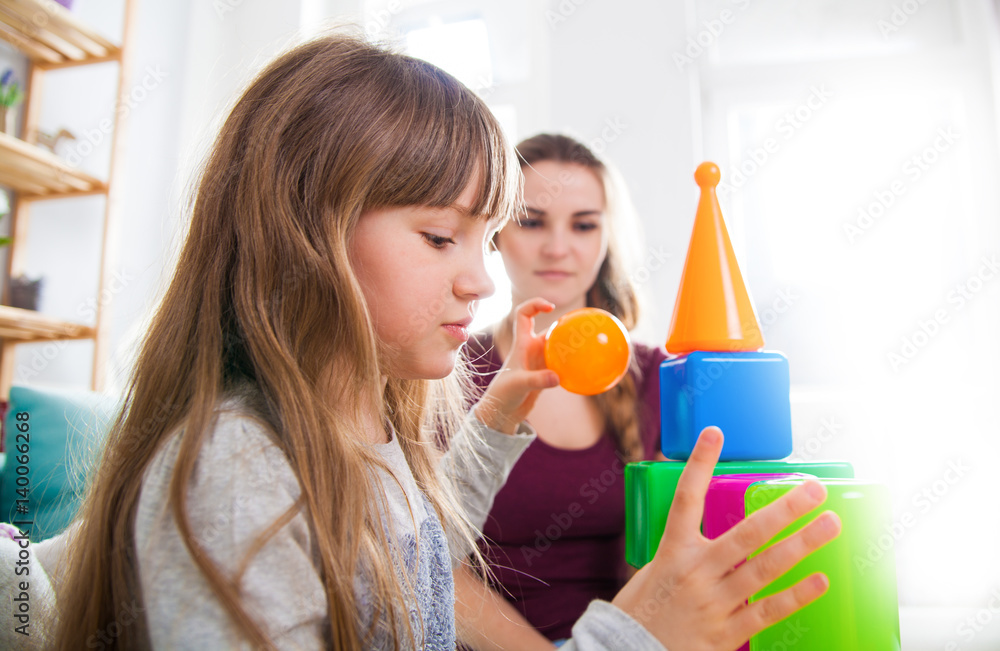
[{"x": 242, "y": 483}]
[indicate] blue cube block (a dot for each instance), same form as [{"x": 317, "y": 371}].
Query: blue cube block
[{"x": 745, "y": 394}]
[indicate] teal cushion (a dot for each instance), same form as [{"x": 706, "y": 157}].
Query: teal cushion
[{"x": 65, "y": 432}]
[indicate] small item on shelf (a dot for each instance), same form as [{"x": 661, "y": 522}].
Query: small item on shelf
[
  {"x": 11, "y": 94},
  {"x": 4, "y": 211},
  {"x": 51, "y": 141},
  {"x": 24, "y": 292}
]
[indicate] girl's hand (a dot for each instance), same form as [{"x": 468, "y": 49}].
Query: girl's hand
[
  {"x": 691, "y": 598},
  {"x": 513, "y": 391}
]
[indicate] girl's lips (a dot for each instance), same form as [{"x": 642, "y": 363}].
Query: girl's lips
[
  {"x": 552, "y": 274},
  {"x": 457, "y": 330}
]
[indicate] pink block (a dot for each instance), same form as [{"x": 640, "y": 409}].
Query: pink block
[{"x": 725, "y": 505}]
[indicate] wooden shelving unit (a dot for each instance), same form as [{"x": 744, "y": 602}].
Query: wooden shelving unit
[
  {"x": 27, "y": 325},
  {"x": 37, "y": 173},
  {"x": 53, "y": 38},
  {"x": 48, "y": 34}
]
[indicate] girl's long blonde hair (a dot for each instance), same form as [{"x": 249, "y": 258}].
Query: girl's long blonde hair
[
  {"x": 264, "y": 296},
  {"x": 613, "y": 290}
]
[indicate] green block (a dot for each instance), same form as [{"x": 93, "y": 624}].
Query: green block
[
  {"x": 860, "y": 611},
  {"x": 650, "y": 487}
]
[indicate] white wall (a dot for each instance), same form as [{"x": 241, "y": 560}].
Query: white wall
[{"x": 613, "y": 85}]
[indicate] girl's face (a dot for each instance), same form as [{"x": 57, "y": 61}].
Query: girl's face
[
  {"x": 560, "y": 243},
  {"x": 422, "y": 270}
]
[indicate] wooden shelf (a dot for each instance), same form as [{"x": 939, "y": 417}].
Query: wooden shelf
[
  {"x": 28, "y": 325},
  {"x": 52, "y": 39},
  {"x": 51, "y": 35},
  {"x": 38, "y": 173}
]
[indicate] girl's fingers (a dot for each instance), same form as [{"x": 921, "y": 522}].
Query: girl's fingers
[
  {"x": 526, "y": 311},
  {"x": 759, "y": 615},
  {"x": 537, "y": 380},
  {"x": 761, "y": 570},
  {"x": 750, "y": 534},
  {"x": 534, "y": 306},
  {"x": 688, "y": 506}
]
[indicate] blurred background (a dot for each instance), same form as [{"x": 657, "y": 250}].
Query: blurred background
[{"x": 858, "y": 142}]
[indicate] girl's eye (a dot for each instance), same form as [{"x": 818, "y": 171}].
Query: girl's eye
[
  {"x": 437, "y": 241},
  {"x": 529, "y": 222},
  {"x": 584, "y": 226}
]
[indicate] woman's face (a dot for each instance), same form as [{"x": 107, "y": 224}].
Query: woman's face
[{"x": 559, "y": 245}]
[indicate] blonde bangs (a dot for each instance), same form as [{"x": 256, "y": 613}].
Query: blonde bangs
[{"x": 444, "y": 138}]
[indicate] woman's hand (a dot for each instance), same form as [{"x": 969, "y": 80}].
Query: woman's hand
[
  {"x": 513, "y": 391},
  {"x": 691, "y": 598}
]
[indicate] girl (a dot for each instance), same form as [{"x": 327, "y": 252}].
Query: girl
[
  {"x": 272, "y": 481},
  {"x": 567, "y": 248}
]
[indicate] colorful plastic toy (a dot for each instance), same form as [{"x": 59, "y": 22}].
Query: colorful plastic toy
[
  {"x": 744, "y": 394},
  {"x": 725, "y": 505},
  {"x": 650, "y": 488},
  {"x": 719, "y": 376},
  {"x": 725, "y": 502},
  {"x": 588, "y": 349},
  {"x": 713, "y": 309},
  {"x": 860, "y": 610}
]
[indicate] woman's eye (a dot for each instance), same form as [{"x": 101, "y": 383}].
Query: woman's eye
[
  {"x": 437, "y": 241},
  {"x": 584, "y": 226},
  {"x": 528, "y": 222}
]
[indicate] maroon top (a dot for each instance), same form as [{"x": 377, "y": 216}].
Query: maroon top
[{"x": 555, "y": 538}]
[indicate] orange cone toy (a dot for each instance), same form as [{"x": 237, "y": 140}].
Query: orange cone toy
[{"x": 713, "y": 311}]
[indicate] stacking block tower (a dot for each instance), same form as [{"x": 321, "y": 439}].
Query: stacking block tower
[{"x": 719, "y": 375}]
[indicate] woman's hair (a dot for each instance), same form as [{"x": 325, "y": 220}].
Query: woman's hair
[
  {"x": 264, "y": 297},
  {"x": 613, "y": 289}
]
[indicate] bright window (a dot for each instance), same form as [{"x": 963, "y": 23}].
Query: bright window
[{"x": 858, "y": 144}]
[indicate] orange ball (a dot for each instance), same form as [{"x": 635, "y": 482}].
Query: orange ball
[{"x": 588, "y": 349}]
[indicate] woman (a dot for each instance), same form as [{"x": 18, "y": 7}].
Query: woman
[{"x": 555, "y": 535}]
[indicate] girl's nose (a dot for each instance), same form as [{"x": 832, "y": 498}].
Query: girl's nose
[{"x": 475, "y": 282}]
